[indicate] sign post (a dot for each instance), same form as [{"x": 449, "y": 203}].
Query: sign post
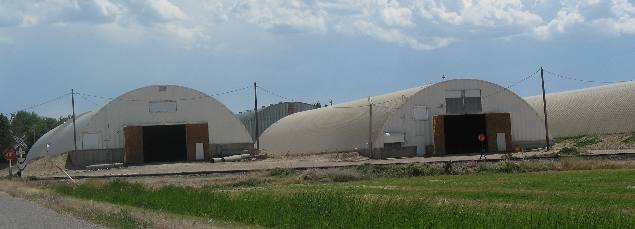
[
  {"x": 8, "y": 155},
  {"x": 481, "y": 139},
  {"x": 21, "y": 146}
]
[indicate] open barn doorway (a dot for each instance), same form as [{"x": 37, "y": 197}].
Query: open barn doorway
[
  {"x": 164, "y": 143},
  {"x": 461, "y": 133}
]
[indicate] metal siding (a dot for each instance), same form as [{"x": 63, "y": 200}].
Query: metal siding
[{"x": 596, "y": 110}]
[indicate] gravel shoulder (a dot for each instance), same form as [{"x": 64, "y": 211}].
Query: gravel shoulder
[{"x": 20, "y": 213}]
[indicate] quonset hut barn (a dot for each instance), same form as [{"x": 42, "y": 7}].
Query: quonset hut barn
[
  {"x": 441, "y": 118},
  {"x": 605, "y": 109},
  {"x": 149, "y": 124}
]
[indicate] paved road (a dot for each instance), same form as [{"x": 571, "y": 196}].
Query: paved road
[{"x": 18, "y": 213}]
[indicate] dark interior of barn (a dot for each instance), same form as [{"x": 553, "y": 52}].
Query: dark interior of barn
[
  {"x": 166, "y": 143},
  {"x": 461, "y": 133}
]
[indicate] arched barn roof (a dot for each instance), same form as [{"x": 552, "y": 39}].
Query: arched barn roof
[
  {"x": 345, "y": 127},
  {"x": 597, "y": 110},
  {"x": 134, "y": 109}
]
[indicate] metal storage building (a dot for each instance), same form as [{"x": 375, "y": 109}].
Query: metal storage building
[
  {"x": 270, "y": 114},
  {"x": 149, "y": 124},
  {"x": 444, "y": 118},
  {"x": 604, "y": 109}
]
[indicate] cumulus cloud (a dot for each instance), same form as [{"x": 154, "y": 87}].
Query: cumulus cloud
[
  {"x": 479, "y": 12},
  {"x": 397, "y": 37},
  {"x": 166, "y": 10},
  {"x": 417, "y": 24},
  {"x": 564, "y": 20},
  {"x": 282, "y": 16},
  {"x": 397, "y": 16},
  {"x": 624, "y": 20}
]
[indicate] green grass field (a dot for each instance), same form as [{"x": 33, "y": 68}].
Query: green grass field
[{"x": 572, "y": 199}]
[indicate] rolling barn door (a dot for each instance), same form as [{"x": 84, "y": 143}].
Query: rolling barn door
[
  {"x": 133, "y": 144},
  {"x": 197, "y": 134},
  {"x": 439, "y": 134},
  {"x": 499, "y": 132}
]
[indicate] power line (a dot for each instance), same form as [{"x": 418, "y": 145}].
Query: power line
[
  {"x": 181, "y": 99},
  {"x": 90, "y": 101},
  {"x": 514, "y": 84},
  {"x": 274, "y": 94},
  {"x": 43, "y": 103},
  {"x": 232, "y": 91},
  {"x": 583, "y": 80}
]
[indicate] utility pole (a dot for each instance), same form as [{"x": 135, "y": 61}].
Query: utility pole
[
  {"x": 74, "y": 128},
  {"x": 544, "y": 106},
  {"x": 256, "y": 117},
  {"x": 370, "y": 128}
]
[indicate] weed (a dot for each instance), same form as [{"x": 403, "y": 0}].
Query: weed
[
  {"x": 250, "y": 182},
  {"x": 587, "y": 140},
  {"x": 580, "y": 141},
  {"x": 282, "y": 172},
  {"x": 409, "y": 170},
  {"x": 508, "y": 166},
  {"x": 121, "y": 219},
  {"x": 629, "y": 139},
  {"x": 331, "y": 175},
  {"x": 569, "y": 151}
]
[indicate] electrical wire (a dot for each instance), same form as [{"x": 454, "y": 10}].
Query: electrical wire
[
  {"x": 43, "y": 103},
  {"x": 181, "y": 99},
  {"x": 274, "y": 94},
  {"x": 582, "y": 80},
  {"x": 232, "y": 91},
  {"x": 88, "y": 100},
  {"x": 513, "y": 84}
]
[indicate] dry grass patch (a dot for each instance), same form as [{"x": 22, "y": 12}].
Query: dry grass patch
[{"x": 581, "y": 164}]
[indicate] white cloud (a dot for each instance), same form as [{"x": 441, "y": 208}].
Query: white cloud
[
  {"x": 281, "y": 16},
  {"x": 479, "y": 12},
  {"x": 624, "y": 21},
  {"x": 397, "y": 37},
  {"x": 559, "y": 24},
  {"x": 397, "y": 16},
  {"x": 106, "y": 7},
  {"x": 5, "y": 40},
  {"x": 167, "y": 10},
  {"x": 419, "y": 24}
]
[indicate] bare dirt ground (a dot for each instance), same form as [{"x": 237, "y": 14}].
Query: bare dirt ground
[{"x": 49, "y": 167}]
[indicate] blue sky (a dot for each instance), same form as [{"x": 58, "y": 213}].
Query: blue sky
[{"x": 313, "y": 50}]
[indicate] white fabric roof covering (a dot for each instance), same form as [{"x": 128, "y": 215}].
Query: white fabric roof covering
[
  {"x": 596, "y": 110},
  {"x": 132, "y": 109}
]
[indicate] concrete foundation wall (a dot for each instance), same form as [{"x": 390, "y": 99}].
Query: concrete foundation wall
[{"x": 83, "y": 158}]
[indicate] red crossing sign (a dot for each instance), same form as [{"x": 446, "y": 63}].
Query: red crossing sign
[{"x": 8, "y": 154}]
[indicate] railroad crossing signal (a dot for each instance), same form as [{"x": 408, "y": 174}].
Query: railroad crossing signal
[{"x": 20, "y": 145}]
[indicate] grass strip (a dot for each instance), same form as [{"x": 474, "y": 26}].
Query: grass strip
[{"x": 339, "y": 205}]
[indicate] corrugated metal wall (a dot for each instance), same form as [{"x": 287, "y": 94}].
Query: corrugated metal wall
[
  {"x": 597, "y": 110},
  {"x": 271, "y": 114}
]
